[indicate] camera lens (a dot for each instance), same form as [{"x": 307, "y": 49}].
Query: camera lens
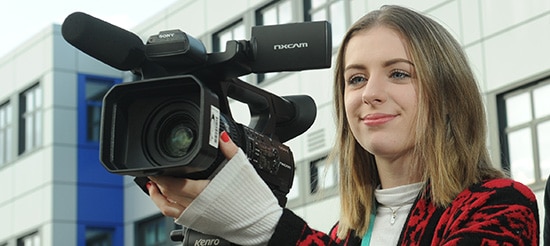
[
  {"x": 171, "y": 134},
  {"x": 176, "y": 135},
  {"x": 178, "y": 141}
]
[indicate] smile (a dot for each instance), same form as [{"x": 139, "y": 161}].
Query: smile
[{"x": 378, "y": 119}]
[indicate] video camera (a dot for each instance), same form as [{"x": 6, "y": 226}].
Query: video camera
[{"x": 168, "y": 123}]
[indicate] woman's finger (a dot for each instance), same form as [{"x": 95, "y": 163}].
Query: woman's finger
[
  {"x": 180, "y": 190},
  {"x": 227, "y": 146},
  {"x": 167, "y": 207}
]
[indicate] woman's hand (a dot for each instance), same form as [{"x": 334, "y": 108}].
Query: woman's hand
[{"x": 173, "y": 195}]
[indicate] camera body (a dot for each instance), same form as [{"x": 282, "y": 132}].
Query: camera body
[
  {"x": 169, "y": 122},
  {"x": 171, "y": 126}
]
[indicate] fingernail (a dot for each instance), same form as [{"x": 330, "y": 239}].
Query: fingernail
[
  {"x": 148, "y": 185},
  {"x": 225, "y": 137}
]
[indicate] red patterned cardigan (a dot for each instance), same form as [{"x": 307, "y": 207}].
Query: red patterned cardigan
[{"x": 495, "y": 212}]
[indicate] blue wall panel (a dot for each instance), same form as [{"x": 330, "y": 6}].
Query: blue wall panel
[{"x": 100, "y": 193}]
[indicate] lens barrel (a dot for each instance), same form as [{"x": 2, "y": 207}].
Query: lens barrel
[
  {"x": 171, "y": 131},
  {"x": 176, "y": 135}
]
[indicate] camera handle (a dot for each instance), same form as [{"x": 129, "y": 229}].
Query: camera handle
[{"x": 282, "y": 118}]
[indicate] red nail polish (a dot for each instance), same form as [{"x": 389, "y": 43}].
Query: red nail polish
[{"x": 225, "y": 137}]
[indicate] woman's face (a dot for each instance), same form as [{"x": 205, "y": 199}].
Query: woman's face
[{"x": 379, "y": 95}]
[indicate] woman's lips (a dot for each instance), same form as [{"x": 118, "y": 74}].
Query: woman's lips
[{"x": 377, "y": 119}]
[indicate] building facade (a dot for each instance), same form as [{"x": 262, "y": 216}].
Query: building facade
[{"x": 58, "y": 193}]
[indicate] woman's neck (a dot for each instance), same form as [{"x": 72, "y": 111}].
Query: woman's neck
[{"x": 397, "y": 172}]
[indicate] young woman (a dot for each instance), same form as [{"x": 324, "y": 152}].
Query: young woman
[{"x": 414, "y": 166}]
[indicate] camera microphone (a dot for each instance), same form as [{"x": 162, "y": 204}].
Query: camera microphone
[
  {"x": 291, "y": 47},
  {"x": 107, "y": 43}
]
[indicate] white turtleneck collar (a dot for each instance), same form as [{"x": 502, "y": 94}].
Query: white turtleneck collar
[{"x": 392, "y": 211}]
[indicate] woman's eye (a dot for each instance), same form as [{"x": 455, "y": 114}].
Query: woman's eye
[
  {"x": 356, "y": 80},
  {"x": 399, "y": 75}
]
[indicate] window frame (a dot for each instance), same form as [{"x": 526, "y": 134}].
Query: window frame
[
  {"x": 157, "y": 219},
  {"x": 274, "y": 5},
  {"x": 326, "y": 6},
  {"x": 303, "y": 186},
  {"x": 217, "y": 45},
  {"x": 320, "y": 170},
  {"x": 84, "y": 105},
  {"x": 99, "y": 235},
  {"x": 21, "y": 241},
  {"x": 6, "y": 132},
  {"x": 30, "y": 138},
  {"x": 532, "y": 125}
]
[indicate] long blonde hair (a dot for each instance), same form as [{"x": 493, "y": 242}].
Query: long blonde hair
[{"x": 450, "y": 148}]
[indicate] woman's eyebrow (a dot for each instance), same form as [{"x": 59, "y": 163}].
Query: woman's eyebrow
[
  {"x": 354, "y": 66},
  {"x": 384, "y": 64},
  {"x": 396, "y": 60}
]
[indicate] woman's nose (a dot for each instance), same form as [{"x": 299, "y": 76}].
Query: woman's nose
[{"x": 374, "y": 91}]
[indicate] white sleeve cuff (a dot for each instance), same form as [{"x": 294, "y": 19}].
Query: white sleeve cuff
[{"x": 237, "y": 205}]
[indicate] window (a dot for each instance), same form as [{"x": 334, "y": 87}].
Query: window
[
  {"x": 524, "y": 123},
  {"x": 32, "y": 239},
  {"x": 91, "y": 91},
  {"x": 155, "y": 231},
  {"x": 95, "y": 90},
  {"x": 235, "y": 31},
  {"x": 323, "y": 175},
  {"x": 6, "y": 132},
  {"x": 278, "y": 12},
  {"x": 99, "y": 236},
  {"x": 294, "y": 191},
  {"x": 333, "y": 11},
  {"x": 30, "y": 125}
]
